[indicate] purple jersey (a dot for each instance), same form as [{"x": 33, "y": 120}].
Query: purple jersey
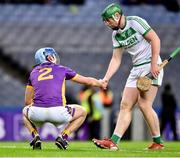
[{"x": 48, "y": 81}]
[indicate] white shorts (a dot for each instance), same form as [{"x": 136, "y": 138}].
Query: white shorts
[
  {"x": 55, "y": 115},
  {"x": 142, "y": 70}
]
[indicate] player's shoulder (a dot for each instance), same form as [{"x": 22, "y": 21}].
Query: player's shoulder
[
  {"x": 134, "y": 21},
  {"x": 35, "y": 68},
  {"x": 133, "y": 18},
  {"x": 62, "y": 67}
]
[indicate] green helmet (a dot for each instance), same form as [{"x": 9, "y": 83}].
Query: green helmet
[{"x": 110, "y": 10}]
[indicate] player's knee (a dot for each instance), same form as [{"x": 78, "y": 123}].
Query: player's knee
[
  {"x": 125, "y": 106},
  {"x": 83, "y": 112},
  {"x": 24, "y": 111},
  {"x": 143, "y": 104},
  {"x": 145, "y": 107}
]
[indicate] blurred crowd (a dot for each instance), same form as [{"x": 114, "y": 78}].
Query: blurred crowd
[
  {"x": 66, "y": 2},
  {"x": 98, "y": 104},
  {"x": 171, "y": 5},
  {"x": 168, "y": 112}
]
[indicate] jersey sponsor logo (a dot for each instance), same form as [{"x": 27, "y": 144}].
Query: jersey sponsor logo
[
  {"x": 129, "y": 42},
  {"x": 125, "y": 35},
  {"x": 127, "y": 38}
]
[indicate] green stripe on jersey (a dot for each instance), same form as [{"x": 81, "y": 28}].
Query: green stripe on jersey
[
  {"x": 146, "y": 27},
  {"x": 141, "y": 22},
  {"x": 147, "y": 62},
  {"x": 146, "y": 31},
  {"x": 117, "y": 47}
]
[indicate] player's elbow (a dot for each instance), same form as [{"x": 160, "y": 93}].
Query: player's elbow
[
  {"x": 158, "y": 40},
  {"x": 27, "y": 102}
]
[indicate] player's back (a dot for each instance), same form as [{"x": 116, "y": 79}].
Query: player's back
[{"x": 48, "y": 81}]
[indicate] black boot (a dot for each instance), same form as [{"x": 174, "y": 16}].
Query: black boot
[
  {"x": 36, "y": 143},
  {"x": 61, "y": 143}
]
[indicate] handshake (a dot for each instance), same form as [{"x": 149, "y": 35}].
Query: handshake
[{"x": 103, "y": 83}]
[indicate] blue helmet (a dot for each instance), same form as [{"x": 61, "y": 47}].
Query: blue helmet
[{"x": 42, "y": 54}]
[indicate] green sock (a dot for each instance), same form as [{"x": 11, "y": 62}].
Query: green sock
[
  {"x": 157, "y": 139},
  {"x": 116, "y": 139}
]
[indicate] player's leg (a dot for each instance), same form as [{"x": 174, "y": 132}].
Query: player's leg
[
  {"x": 78, "y": 118},
  {"x": 129, "y": 99},
  {"x": 78, "y": 114},
  {"x": 36, "y": 142},
  {"x": 30, "y": 126},
  {"x": 145, "y": 102}
]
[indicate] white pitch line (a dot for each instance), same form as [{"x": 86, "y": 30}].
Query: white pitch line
[
  {"x": 20, "y": 147},
  {"x": 12, "y": 147}
]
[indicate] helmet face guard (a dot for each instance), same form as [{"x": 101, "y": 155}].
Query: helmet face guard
[
  {"x": 41, "y": 55},
  {"x": 110, "y": 10}
]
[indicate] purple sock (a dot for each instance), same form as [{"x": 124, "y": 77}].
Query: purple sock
[
  {"x": 65, "y": 136},
  {"x": 33, "y": 135}
]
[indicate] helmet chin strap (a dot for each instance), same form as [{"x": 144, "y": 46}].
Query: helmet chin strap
[
  {"x": 119, "y": 22},
  {"x": 54, "y": 59},
  {"x": 51, "y": 58}
]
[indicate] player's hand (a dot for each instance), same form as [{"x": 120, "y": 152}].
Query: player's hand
[
  {"x": 105, "y": 80},
  {"x": 155, "y": 70},
  {"x": 103, "y": 83}
]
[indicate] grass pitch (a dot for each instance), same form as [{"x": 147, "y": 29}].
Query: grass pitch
[{"x": 87, "y": 149}]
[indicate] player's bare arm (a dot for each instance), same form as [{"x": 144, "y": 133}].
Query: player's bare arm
[
  {"x": 89, "y": 81},
  {"x": 29, "y": 95},
  {"x": 114, "y": 64},
  {"x": 152, "y": 37}
]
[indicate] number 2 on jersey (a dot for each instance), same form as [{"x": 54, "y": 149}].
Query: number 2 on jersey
[{"x": 45, "y": 75}]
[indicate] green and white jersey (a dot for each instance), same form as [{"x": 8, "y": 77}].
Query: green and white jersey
[{"x": 131, "y": 39}]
